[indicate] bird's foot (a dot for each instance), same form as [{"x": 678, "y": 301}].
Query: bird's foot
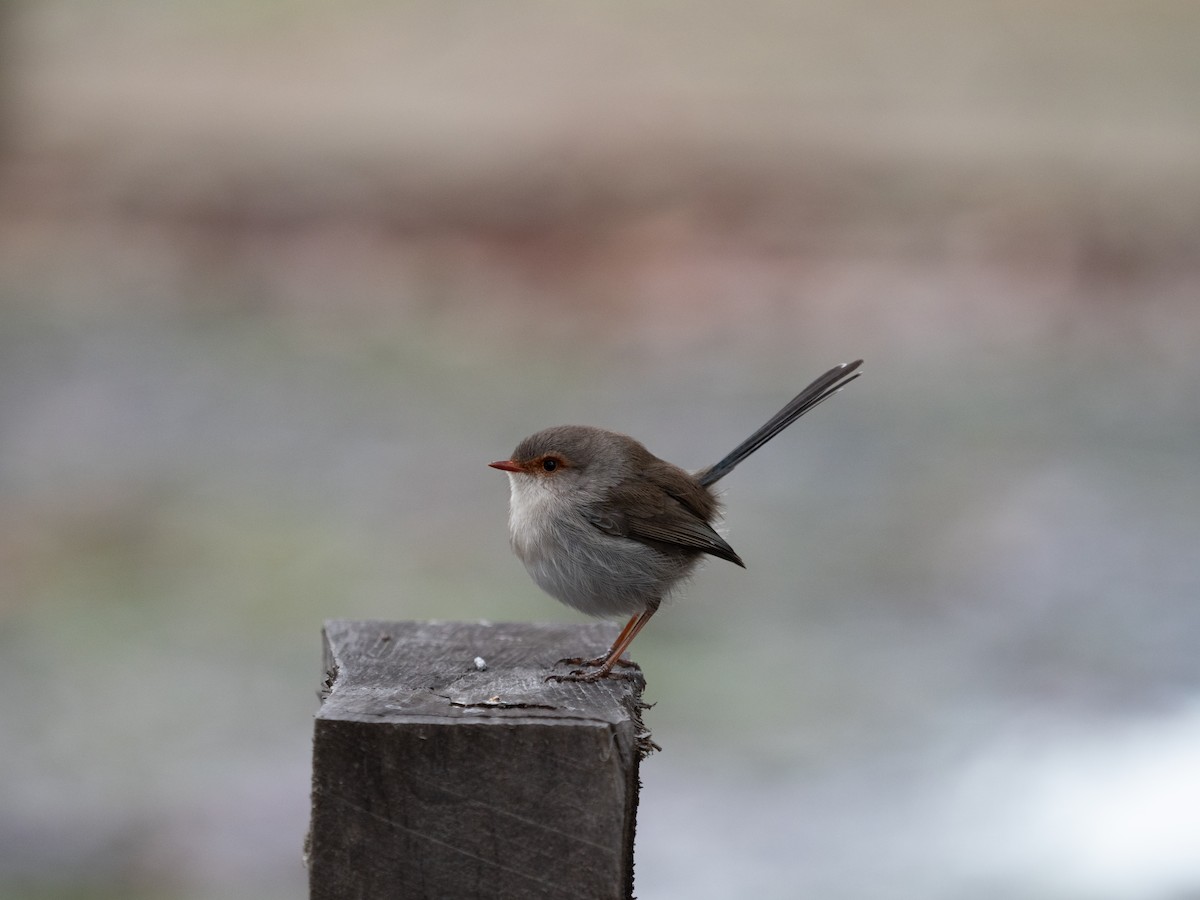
[
  {"x": 586, "y": 677},
  {"x": 579, "y": 661}
]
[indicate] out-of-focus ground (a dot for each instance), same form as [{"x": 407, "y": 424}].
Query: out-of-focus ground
[{"x": 276, "y": 280}]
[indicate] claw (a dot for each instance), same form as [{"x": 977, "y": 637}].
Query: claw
[
  {"x": 579, "y": 675},
  {"x": 593, "y": 663}
]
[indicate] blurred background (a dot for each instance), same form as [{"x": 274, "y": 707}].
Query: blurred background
[{"x": 278, "y": 279}]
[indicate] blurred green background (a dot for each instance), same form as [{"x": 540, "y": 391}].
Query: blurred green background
[{"x": 278, "y": 279}]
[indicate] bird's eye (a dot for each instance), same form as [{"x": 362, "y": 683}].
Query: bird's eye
[{"x": 549, "y": 464}]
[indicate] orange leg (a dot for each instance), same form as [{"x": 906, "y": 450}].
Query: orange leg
[
  {"x": 603, "y": 657},
  {"x": 613, "y": 656},
  {"x": 624, "y": 639}
]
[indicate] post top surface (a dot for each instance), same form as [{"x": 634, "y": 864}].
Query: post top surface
[{"x": 481, "y": 671}]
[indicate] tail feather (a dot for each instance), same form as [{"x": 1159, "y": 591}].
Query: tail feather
[{"x": 813, "y": 395}]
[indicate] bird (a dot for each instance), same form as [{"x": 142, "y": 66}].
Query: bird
[{"x": 609, "y": 529}]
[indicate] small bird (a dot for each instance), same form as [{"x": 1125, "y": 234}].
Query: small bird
[{"x": 606, "y": 527}]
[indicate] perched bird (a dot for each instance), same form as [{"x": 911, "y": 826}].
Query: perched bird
[{"x": 606, "y": 527}]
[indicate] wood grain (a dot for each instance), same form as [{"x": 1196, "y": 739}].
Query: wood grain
[{"x": 445, "y": 766}]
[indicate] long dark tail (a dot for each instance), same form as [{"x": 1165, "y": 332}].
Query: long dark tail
[{"x": 817, "y": 392}]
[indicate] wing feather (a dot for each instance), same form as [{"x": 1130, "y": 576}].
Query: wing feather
[{"x": 649, "y": 514}]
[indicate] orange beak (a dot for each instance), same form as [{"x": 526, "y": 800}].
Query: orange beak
[{"x": 506, "y": 465}]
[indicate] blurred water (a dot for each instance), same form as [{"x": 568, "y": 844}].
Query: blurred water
[{"x": 1102, "y": 811}]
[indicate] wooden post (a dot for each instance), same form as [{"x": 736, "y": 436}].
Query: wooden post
[{"x": 446, "y": 767}]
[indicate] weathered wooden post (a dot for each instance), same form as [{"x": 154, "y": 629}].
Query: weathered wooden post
[{"x": 446, "y": 767}]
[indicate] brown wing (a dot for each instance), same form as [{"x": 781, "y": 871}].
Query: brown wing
[{"x": 652, "y": 513}]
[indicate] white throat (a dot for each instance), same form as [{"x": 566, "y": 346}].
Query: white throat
[{"x": 533, "y": 505}]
